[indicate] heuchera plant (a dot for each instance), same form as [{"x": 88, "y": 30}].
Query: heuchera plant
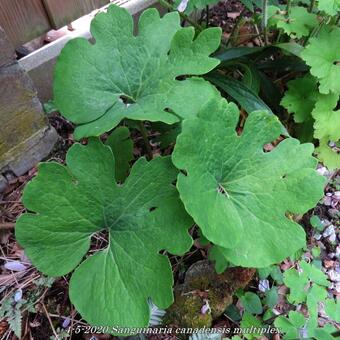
[{"x": 240, "y": 196}]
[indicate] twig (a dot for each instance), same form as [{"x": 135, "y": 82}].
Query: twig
[
  {"x": 50, "y": 321},
  {"x": 289, "y": 3},
  {"x": 207, "y": 15},
  {"x": 265, "y": 20},
  {"x": 258, "y": 34},
  {"x": 235, "y": 29},
  {"x": 146, "y": 140},
  {"x": 311, "y": 7},
  {"x": 7, "y": 225}
]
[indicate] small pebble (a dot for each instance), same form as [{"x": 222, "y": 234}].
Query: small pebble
[
  {"x": 333, "y": 275},
  {"x": 327, "y": 200},
  {"x": 328, "y": 263},
  {"x": 332, "y": 238},
  {"x": 15, "y": 266},
  {"x": 323, "y": 171},
  {"x": 18, "y": 295},
  {"x": 337, "y": 287},
  {"x": 317, "y": 236},
  {"x": 276, "y": 312},
  {"x": 329, "y": 231},
  {"x": 264, "y": 285},
  {"x": 333, "y": 212},
  {"x": 325, "y": 222},
  {"x": 66, "y": 322}
]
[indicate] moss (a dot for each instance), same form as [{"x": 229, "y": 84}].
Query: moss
[
  {"x": 21, "y": 113},
  {"x": 203, "y": 284},
  {"x": 186, "y": 311}
]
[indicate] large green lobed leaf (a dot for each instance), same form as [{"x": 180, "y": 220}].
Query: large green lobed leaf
[
  {"x": 327, "y": 117},
  {"x": 330, "y": 7},
  {"x": 322, "y": 54},
  {"x": 238, "y": 194},
  {"x": 297, "y": 23},
  {"x": 142, "y": 216},
  {"x": 300, "y": 98},
  {"x": 126, "y": 76}
]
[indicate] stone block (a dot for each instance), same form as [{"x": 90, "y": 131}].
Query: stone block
[
  {"x": 7, "y": 52},
  {"x": 3, "y": 183},
  {"x": 25, "y": 136}
]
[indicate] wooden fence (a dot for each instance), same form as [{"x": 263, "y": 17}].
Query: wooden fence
[{"x": 24, "y": 20}]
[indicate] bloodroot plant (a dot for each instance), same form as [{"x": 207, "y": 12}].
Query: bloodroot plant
[{"x": 240, "y": 196}]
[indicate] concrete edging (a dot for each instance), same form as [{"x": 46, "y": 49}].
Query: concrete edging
[{"x": 52, "y": 50}]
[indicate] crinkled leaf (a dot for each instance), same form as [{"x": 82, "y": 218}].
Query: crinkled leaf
[
  {"x": 330, "y": 7},
  {"x": 300, "y": 97},
  {"x": 314, "y": 274},
  {"x": 332, "y": 308},
  {"x": 141, "y": 217},
  {"x": 122, "y": 148},
  {"x": 297, "y": 23},
  {"x": 299, "y": 282},
  {"x": 322, "y": 54},
  {"x": 315, "y": 295},
  {"x": 126, "y": 76},
  {"x": 327, "y": 118},
  {"x": 249, "y": 321},
  {"x": 291, "y": 326},
  {"x": 322, "y": 333},
  {"x": 188, "y": 6},
  {"x": 15, "y": 322},
  {"x": 236, "y": 193},
  {"x": 329, "y": 156}
]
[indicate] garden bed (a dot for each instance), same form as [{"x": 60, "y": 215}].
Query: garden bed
[{"x": 38, "y": 307}]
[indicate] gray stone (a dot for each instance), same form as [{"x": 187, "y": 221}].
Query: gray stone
[
  {"x": 37, "y": 147},
  {"x": 7, "y": 52},
  {"x": 3, "y": 183},
  {"x": 25, "y": 136}
]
